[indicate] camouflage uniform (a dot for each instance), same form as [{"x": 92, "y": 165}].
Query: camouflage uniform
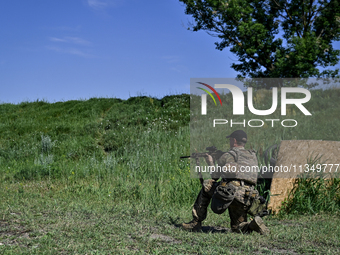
[{"x": 235, "y": 192}]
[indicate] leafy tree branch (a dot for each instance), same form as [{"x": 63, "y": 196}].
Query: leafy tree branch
[{"x": 273, "y": 38}]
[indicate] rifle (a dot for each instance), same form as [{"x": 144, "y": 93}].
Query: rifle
[{"x": 212, "y": 150}]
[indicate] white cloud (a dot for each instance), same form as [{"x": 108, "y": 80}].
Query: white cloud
[
  {"x": 70, "y": 45},
  {"x": 72, "y": 51},
  {"x": 54, "y": 39},
  {"x": 174, "y": 63},
  {"x": 171, "y": 59},
  {"x": 179, "y": 68},
  {"x": 101, "y": 4},
  {"x": 96, "y": 3},
  {"x": 74, "y": 40},
  {"x": 63, "y": 28}
]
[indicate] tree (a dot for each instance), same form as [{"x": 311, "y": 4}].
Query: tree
[{"x": 273, "y": 38}]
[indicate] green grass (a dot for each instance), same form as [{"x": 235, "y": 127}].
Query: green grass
[
  {"x": 85, "y": 218},
  {"x": 103, "y": 176}
]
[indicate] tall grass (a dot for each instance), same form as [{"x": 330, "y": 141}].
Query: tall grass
[
  {"x": 313, "y": 192},
  {"x": 314, "y": 195},
  {"x": 130, "y": 149}
]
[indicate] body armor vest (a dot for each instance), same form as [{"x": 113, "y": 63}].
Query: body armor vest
[{"x": 247, "y": 166}]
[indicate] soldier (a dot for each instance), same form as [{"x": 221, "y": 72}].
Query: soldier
[{"x": 235, "y": 192}]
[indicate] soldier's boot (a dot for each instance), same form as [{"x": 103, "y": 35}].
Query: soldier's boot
[
  {"x": 241, "y": 228},
  {"x": 193, "y": 225},
  {"x": 257, "y": 225}
]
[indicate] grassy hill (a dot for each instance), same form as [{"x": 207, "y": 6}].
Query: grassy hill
[{"x": 103, "y": 176}]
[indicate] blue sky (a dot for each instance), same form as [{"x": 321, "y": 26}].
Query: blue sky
[{"x": 58, "y": 50}]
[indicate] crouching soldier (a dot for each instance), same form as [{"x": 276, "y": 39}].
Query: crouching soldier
[{"x": 235, "y": 192}]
